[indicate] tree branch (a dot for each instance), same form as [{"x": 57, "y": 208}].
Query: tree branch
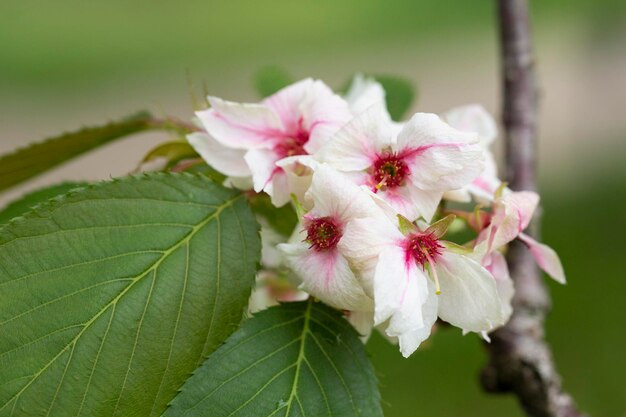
[{"x": 520, "y": 359}]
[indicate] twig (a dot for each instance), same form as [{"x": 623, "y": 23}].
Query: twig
[{"x": 520, "y": 359}]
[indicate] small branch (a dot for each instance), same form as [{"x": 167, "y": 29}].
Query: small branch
[{"x": 520, "y": 359}]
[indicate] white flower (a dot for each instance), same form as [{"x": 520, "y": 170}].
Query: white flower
[
  {"x": 417, "y": 277},
  {"x": 244, "y": 139},
  {"x": 315, "y": 253},
  {"x": 410, "y": 166},
  {"x": 474, "y": 118}
]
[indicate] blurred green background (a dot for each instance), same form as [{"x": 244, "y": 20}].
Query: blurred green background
[{"x": 72, "y": 62}]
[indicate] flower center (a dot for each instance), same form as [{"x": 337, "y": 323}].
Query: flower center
[
  {"x": 322, "y": 233},
  {"x": 390, "y": 171},
  {"x": 293, "y": 144},
  {"x": 422, "y": 248}
]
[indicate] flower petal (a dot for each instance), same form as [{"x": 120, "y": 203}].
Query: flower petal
[
  {"x": 511, "y": 215},
  {"x": 363, "y": 93},
  {"x": 355, "y": 146},
  {"x": 439, "y": 156},
  {"x": 333, "y": 194},
  {"x": 546, "y": 258},
  {"x": 469, "y": 298},
  {"x": 323, "y": 113},
  {"x": 240, "y": 125},
  {"x": 473, "y": 118},
  {"x": 286, "y": 103},
  {"x": 400, "y": 291},
  {"x": 327, "y": 276},
  {"x": 226, "y": 160},
  {"x": 411, "y": 340},
  {"x": 411, "y": 202},
  {"x": 363, "y": 322},
  {"x": 496, "y": 265}
]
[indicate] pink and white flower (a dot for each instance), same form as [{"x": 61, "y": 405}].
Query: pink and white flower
[
  {"x": 418, "y": 277},
  {"x": 245, "y": 139},
  {"x": 315, "y": 253},
  {"x": 510, "y": 215},
  {"x": 409, "y": 166}
]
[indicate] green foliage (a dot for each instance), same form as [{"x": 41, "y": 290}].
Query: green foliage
[
  {"x": 111, "y": 295},
  {"x": 283, "y": 219},
  {"x": 297, "y": 359},
  {"x": 24, "y": 204},
  {"x": 34, "y": 159},
  {"x": 269, "y": 80},
  {"x": 173, "y": 152}
]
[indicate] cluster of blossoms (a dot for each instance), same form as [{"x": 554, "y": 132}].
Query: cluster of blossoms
[{"x": 376, "y": 200}]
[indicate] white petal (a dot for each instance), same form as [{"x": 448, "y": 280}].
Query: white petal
[
  {"x": 327, "y": 276},
  {"x": 226, "y": 160},
  {"x": 400, "y": 291},
  {"x": 546, "y": 258},
  {"x": 262, "y": 164},
  {"x": 469, "y": 298},
  {"x": 473, "y": 118},
  {"x": 278, "y": 189},
  {"x": 240, "y": 125},
  {"x": 333, "y": 194},
  {"x": 356, "y": 145},
  {"x": 411, "y": 340},
  {"x": 363, "y": 93},
  {"x": 323, "y": 112},
  {"x": 364, "y": 239},
  {"x": 363, "y": 322},
  {"x": 412, "y": 202},
  {"x": 439, "y": 156},
  {"x": 496, "y": 265}
]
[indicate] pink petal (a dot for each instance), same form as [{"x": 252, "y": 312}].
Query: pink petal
[
  {"x": 546, "y": 258},
  {"x": 240, "y": 125}
]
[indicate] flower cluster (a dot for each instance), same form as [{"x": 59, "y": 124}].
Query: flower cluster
[{"x": 378, "y": 203}]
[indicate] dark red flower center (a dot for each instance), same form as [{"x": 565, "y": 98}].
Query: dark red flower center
[
  {"x": 422, "y": 248},
  {"x": 323, "y": 233},
  {"x": 389, "y": 171}
]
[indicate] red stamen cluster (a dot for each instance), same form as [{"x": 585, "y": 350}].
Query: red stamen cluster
[
  {"x": 390, "y": 171},
  {"x": 323, "y": 233},
  {"x": 421, "y": 246}
]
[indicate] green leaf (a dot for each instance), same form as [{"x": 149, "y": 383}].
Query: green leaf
[
  {"x": 24, "y": 204},
  {"x": 297, "y": 359},
  {"x": 112, "y": 295},
  {"x": 269, "y": 80},
  {"x": 282, "y": 219},
  {"x": 34, "y": 159}
]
